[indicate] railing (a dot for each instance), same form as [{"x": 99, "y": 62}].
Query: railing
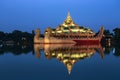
[{"x": 79, "y": 35}]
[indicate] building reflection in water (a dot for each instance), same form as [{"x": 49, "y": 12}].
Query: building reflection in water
[{"x": 68, "y": 54}]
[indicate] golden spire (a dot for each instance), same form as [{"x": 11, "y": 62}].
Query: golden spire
[
  {"x": 68, "y": 21},
  {"x": 68, "y": 16}
]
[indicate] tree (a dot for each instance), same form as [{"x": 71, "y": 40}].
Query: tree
[
  {"x": 2, "y": 35},
  {"x": 116, "y": 32},
  {"x": 116, "y": 36}
]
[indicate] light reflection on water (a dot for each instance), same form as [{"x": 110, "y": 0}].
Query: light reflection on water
[
  {"x": 59, "y": 62},
  {"x": 68, "y": 54}
]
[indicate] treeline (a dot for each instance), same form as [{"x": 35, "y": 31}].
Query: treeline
[
  {"x": 115, "y": 33},
  {"x": 114, "y": 36},
  {"x": 16, "y": 37}
]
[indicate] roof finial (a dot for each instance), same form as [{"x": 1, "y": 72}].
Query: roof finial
[
  {"x": 68, "y": 16},
  {"x": 68, "y": 21},
  {"x": 68, "y": 13}
]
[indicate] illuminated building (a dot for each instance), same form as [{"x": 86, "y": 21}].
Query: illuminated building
[{"x": 69, "y": 32}]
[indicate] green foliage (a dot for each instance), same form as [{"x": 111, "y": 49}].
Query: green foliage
[
  {"x": 106, "y": 32},
  {"x": 17, "y": 37},
  {"x": 2, "y": 34},
  {"x": 116, "y": 32}
]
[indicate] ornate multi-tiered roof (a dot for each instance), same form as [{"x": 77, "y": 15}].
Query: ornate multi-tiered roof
[{"x": 69, "y": 26}]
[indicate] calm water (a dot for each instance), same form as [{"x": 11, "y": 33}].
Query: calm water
[{"x": 59, "y": 62}]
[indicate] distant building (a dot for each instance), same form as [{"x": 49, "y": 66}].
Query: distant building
[{"x": 69, "y": 32}]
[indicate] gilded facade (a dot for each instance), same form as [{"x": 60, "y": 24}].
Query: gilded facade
[{"x": 68, "y": 32}]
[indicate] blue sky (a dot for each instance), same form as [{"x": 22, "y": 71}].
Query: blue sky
[{"x": 27, "y": 15}]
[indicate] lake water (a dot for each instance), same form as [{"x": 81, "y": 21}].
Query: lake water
[{"x": 59, "y": 62}]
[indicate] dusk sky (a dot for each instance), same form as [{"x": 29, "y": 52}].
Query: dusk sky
[{"x": 27, "y": 15}]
